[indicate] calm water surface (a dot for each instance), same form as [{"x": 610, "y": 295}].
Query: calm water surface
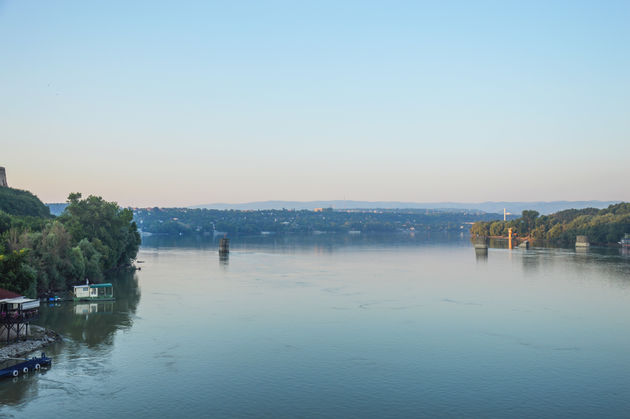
[{"x": 339, "y": 327}]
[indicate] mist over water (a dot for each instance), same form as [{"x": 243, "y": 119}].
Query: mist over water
[{"x": 338, "y": 326}]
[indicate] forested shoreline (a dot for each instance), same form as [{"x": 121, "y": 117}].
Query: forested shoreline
[
  {"x": 605, "y": 226},
  {"x": 42, "y": 254},
  {"x": 185, "y": 221}
]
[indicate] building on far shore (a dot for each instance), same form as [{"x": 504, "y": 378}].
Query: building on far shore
[{"x": 16, "y": 313}]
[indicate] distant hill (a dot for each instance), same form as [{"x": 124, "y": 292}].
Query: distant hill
[
  {"x": 23, "y": 203},
  {"x": 491, "y": 207},
  {"x": 57, "y": 208}
]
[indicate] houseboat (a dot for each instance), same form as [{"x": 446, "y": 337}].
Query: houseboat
[
  {"x": 625, "y": 242},
  {"x": 93, "y": 292}
]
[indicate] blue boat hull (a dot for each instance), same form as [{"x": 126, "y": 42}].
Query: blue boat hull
[{"x": 27, "y": 366}]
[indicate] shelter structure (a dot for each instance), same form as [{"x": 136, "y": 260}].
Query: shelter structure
[{"x": 16, "y": 313}]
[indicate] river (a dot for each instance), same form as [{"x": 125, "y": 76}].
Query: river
[{"x": 332, "y": 326}]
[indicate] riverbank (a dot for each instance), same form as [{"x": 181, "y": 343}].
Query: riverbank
[
  {"x": 516, "y": 240},
  {"x": 39, "y": 337}
]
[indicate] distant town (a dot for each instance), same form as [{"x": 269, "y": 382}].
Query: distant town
[
  {"x": 319, "y": 220},
  {"x": 354, "y": 217}
]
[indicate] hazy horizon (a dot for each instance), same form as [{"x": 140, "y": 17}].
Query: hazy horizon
[
  {"x": 179, "y": 104},
  {"x": 496, "y": 207}
]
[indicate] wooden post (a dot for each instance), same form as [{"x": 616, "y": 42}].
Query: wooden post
[{"x": 510, "y": 237}]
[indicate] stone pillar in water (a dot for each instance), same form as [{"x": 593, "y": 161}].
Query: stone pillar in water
[
  {"x": 582, "y": 241},
  {"x": 224, "y": 246}
]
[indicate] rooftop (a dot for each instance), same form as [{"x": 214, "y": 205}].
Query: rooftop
[
  {"x": 7, "y": 294},
  {"x": 107, "y": 285}
]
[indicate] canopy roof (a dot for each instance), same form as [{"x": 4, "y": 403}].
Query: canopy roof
[
  {"x": 107, "y": 285},
  {"x": 7, "y": 294},
  {"x": 18, "y": 300}
]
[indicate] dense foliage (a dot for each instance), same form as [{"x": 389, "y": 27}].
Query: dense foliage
[
  {"x": 108, "y": 228},
  {"x": 41, "y": 255},
  {"x": 601, "y": 226},
  {"x": 23, "y": 203},
  {"x": 191, "y": 221}
]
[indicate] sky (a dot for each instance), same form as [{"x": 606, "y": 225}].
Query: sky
[{"x": 176, "y": 103}]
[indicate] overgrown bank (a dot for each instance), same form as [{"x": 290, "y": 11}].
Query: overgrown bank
[
  {"x": 41, "y": 254},
  {"x": 605, "y": 226}
]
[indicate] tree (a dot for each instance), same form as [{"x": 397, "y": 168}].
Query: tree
[
  {"x": 497, "y": 228},
  {"x": 57, "y": 263},
  {"x": 16, "y": 275},
  {"x": 529, "y": 220},
  {"x": 109, "y": 228}
]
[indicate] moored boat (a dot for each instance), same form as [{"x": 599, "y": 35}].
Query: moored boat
[
  {"x": 93, "y": 292},
  {"x": 625, "y": 241},
  {"x": 33, "y": 364}
]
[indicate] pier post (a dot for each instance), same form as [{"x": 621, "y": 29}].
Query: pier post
[{"x": 481, "y": 248}]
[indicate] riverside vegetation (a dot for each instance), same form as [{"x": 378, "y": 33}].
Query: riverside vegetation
[
  {"x": 41, "y": 254},
  {"x": 603, "y": 226},
  {"x": 249, "y": 222}
]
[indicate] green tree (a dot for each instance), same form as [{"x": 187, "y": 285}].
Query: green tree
[
  {"x": 528, "y": 219},
  {"x": 16, "y": 275},
  {"x": 497, "y": 228},
  {"x": 109, "y": 228},
  {"x": 56, "y": 262}
]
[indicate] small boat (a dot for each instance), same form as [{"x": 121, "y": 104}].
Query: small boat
[
  {"x": 33, "y": 364},
  {"x": 625, "y": 242},
  {"x": 93, "y": 292}
]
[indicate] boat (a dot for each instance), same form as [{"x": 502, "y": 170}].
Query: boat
[
  {"x": 33, "y": 364},
  {"x": 93, "y": 292},
  {"x": 625, "y": 242}
]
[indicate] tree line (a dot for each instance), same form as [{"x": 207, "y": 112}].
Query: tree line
[
  {"x": 196, "y": 221},
  {"x": 603, "y": 226},
  {"x": 42, "y": 254}
]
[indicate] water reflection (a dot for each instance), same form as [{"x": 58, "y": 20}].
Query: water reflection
[
  {"x": 319, "y": 243},
  {"x": 95, "y": 323},
  {"x": 324, "y": 326},
  {"x": 17, "y": 389},
  {"x": 224, "y": 259},
  {"x": 582, "y": 250},
  {"x": 92, "y": 308},
  {"x": 481, "y": 254},
  {"x": 90, "y": 324}
]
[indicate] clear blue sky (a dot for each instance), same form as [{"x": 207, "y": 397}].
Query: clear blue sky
[{"x": 180, "y": 103}]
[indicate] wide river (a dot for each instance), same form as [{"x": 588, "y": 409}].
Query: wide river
[{"x": 352, "y": 326}]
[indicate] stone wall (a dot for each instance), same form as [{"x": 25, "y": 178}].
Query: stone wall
[{"x": 3, "y": 178}]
